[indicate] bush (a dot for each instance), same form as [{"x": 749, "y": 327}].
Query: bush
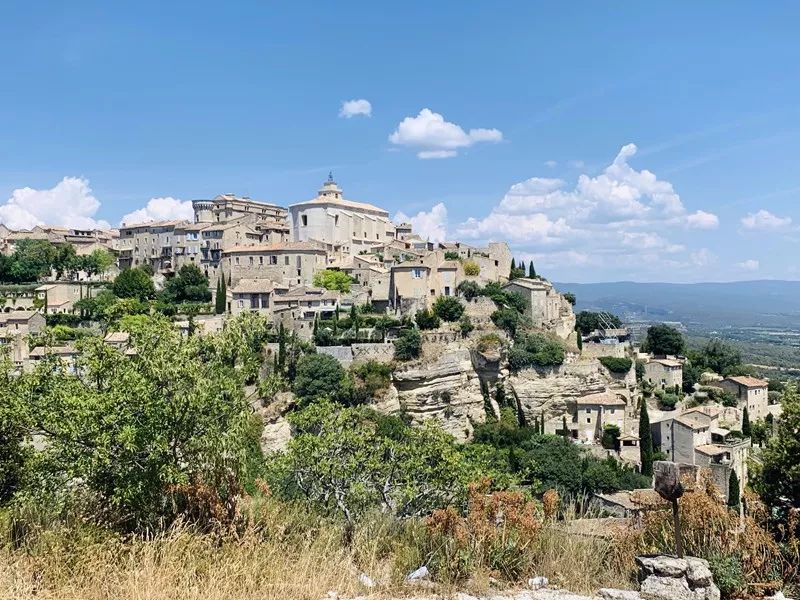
[
  {"x": 408, "y": 345},
  {"x": 67, "y": 319},
  {"x": 451, "y": 255},
  {"x": 134, "y": 283},
  {"x": 427, "y": 319},
  {"x": 448, "y": 308},
  {"x": 469, "y": 289},
  {"x": 616, "y": 364},
  {"x": 610, "y": 438},
  {"x": 668, "y": 402},
  {"x": 333, "y": 280},
  {"x": 489, "y": 342},
  {"x": 536, "y": 349},
  {"x": 373, "y": 376},
  {"x": 508, "y": 319},
  {"x": 318, "y": 376},
  {"x": 471, "y": 268}
]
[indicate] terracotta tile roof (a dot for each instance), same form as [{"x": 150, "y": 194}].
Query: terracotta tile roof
[
  {"x": 748, "y": 381},
  {"x": 601, "y": 399}
]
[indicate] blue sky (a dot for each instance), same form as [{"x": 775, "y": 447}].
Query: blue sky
[{"x": 529, "y": 107}]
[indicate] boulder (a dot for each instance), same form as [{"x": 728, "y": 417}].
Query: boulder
[
  {"x": 698, "y": 574},
  {"x": 666, "y": 588},
  {"x": 663, "y": 566}
]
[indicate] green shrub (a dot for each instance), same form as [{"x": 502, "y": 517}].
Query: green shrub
[
  {"x": 728, "y": 574},
  {"x": 465, "y": 325},
  {"x": 616, "y": 364},
  {"x": 451, "y": 255},
  {"x": 427, "y": 319},
  {"x": 489, "y": 342},
  {"x": 469, "y": 289},
  {"x": 373, "y": 375},
  {"x": 448, "y": 308},
  {"x": 610, "y": 439},
  {"x": 318, "y": 376},
  {"x": 537, "y": 349},
  {"x": 668, "y": 402},
  {"x": 471, "y": 268},
  {"x": 508, "y": 319},
  {"x": 408, "y": 345}
]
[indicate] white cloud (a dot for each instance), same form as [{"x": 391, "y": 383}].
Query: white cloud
[
  {"x": 433, "y": 137},
  {"x": 550, "y": 164},
  {"x": 622, "y": 219},
  {"x": 749, "y": 265},
  {"x": 430, "y": 225},
  {"x": 161, "y": 209},
  {"x": 702, "y": 220},
  {"x": 354, "y": 108},
  {"x": 70, "y": 203},
  {"x": 763, "y": 220}
]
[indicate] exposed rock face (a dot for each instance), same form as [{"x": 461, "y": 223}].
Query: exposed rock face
[
  {"x": 444, "y": 387},
  {"x": 670, "y": 578},
  {"x": 554, "y": 391},
  {"x": 277, "y": 431}
]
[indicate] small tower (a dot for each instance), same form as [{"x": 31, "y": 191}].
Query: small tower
[
  {"x": 330, "y": 189},
  {"x": 203, "y": 211}
]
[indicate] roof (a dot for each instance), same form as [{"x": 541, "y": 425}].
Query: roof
[
  {"x": 747, "y": 381},
  {"x": 448, "y": 265},
  {"x": 255, "y": 286},
  {"x": 41, "y": 351},
  {"x": 694, "y": 420},
  {"x": 667, "y": 362},
  {"x": 710, "y": 449},
  {"x": 633, "y": 499},
  {"x": 531, "y": 284},
  {"x": 602, "y": 399},
  {"x": 720, "y": 431},
  {"x": 117, "y": 337},
  {"x": 323, "y": 200},
  {"x": 282, "y": 247},
  {"x": 19, "y": 315},
  {"x": 173, "y": 223}
]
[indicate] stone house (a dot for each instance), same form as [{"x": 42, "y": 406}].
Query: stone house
[
  {"x": 595, "y": 411},
  {"x": 15, "y": 328},
  {"x": 254, "y": 295},
  {"x": 665, "y": 373},
  {"x": 546, "y": 308},
  {"x": 60, "y": 297},
  {"x": 292, "y": 263},
  {"x": 750, "y": 392},
  {"x": 227, "y": 207}
]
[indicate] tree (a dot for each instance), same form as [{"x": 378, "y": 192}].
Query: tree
[
  {"x": 663, "y": 340},
  {"x": 331, "y": 279},
  {"x": 408, "y": 345},
  {"x": 465, "y": 325},
  {"x": 531, "y": 270},
  {"x": 733, "y": 490},
  {"x": 281, "y": 364},
  {"x": 610, "y": 438},
  {"x": 645, "y": 441},
  {"x": 134, "y": 283},
  {"x": 350, "y": 461},
  {"x": 13, "y": 431},
  {"x": 98, "y": 262},
  {"x": 31, "y": 260},
  {"x": 564, "y": 428},
  {"x": 513, "y": 272},
  {"x": 468, "y": 289},
  {"x": 719, "y": 356},
  {"x": 220, "y": 302},
  {"x": 746, "y": 430},
  {"x": 427, "y": 319},
  {"x": 779, "y": 480},
  {"x": 508, "y": 319},
  {"x": 143, "y": 435},
  {"x": 570, "y": 297},
  {"x": 448, "y": 308},
  {"x": 318, "y": 376},
  {"x": 587, "y": 321},
  {"x": 189, "y": 285}
]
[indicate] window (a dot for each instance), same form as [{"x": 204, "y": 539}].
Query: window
[
  {"x": 273, "y": 260},
  {"x": 416, "y": 273},
  {"x": 588, "y": 419},
  {"x": 447, "y": 292},
  {"x": 251, "y": 261},
  {"x": 286, "y": 260},
  {"x": 304, "y": 220},
  {"x": 261, "y": 260},
  {"x": 588, "y": 410},
  {"x": 237, "y": 260}
]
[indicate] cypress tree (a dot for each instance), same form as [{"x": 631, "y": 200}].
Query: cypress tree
[
  {"x": 541, "y": 424},
  {"x": 645, "y": 441},
  {"x": 746, "y": 429},
  {"x": 564, "y": 429},
  {"x": 221, "y": 300},
  {"x": 281, "y": 348},
  {"x": 733, "y": 490},
  {"x": 512, "y": 274},
  {"x": 531, "y": 270}
]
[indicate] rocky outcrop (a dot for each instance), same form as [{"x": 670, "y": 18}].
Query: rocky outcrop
[
  {"x": 553, "y": 391},
  {"x": 277, "y": 431},
  {"x": 443, "y": 386},
  {"x": 670, "y": 578}
]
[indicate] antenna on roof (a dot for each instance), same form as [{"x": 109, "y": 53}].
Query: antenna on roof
[{"x": 330, "y": 176}]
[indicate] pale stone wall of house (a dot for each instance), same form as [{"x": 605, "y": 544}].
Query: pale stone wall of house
[
  {"x": 594, "y": 350},
  {"x": 290, "y": 267},
  {"x": 344, "y": 354}
]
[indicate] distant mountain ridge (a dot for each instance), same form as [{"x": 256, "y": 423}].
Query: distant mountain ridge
[{"x": 773, "y": 303}]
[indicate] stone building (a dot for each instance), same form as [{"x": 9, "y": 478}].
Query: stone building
[
  {"x": 665, "y": 373},
  {"x": 595, "y": 411},
  {"x": 15, "y": 328},
  {"x": 254, "y": 295},
  {"x": 229, "y": 207},
  {"x": 343, "y": 227},
  {"x": 546, "y": 308},
  {"x": 292, "y": 263},
  {"x": 750, "y": 392}
]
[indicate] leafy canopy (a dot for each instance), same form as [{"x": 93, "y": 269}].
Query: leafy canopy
[{"x": 331, "y": 279}]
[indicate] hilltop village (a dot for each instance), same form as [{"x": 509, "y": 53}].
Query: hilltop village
[{"x": 465, "y": 333}]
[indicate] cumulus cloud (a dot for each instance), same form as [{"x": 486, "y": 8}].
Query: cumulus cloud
[
  {"x": 161, "y": 209},
  {"x": 70, "y": 203},
  {"x": 702, "y": 220},
  {"x": 355, "y": 108},
  {"x": 763, "y": 220},
  {"x": 749, "y": 265},
  {"x": 621, "y": 218},
  {"x": 430, "y": 225},
  {"x": 433, "y": 137}
]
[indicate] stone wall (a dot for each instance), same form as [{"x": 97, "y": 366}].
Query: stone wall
[
  {"x": 379, "y": 352},
  {"x": 594, "y": 350}
]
